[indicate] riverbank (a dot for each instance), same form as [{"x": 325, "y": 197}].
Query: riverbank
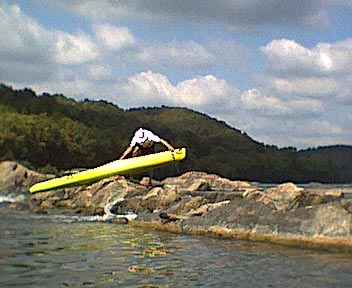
[{"x": 315, "y": 216}]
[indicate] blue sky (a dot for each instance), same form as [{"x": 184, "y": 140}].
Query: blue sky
[{"x": 278, "y": 70}]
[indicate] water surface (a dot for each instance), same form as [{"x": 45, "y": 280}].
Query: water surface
[{"x": 68, "y": 251}]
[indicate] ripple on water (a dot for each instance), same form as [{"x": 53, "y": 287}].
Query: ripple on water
[{"x": 64, "y": 251}]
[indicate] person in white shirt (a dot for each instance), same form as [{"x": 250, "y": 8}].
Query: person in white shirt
[{"x": 143, "y": 142}]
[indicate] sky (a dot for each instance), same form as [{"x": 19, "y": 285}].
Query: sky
[{"x": 279, "y": 70}]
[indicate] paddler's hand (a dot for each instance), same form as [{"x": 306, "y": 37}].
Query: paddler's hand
[{"x": 167, "y": 145}]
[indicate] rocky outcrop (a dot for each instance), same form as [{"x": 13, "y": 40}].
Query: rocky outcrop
[
  {"x": 14, "y": 178},
  {"x": 197, "y": 202}
]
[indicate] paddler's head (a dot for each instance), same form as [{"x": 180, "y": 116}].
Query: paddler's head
[{"x": 141, "y": 135}]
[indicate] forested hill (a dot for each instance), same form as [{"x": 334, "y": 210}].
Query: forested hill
[{"x": 52, "y": 133}]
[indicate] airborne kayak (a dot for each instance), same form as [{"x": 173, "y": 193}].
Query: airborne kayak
[{"x": 117, "y": 167}]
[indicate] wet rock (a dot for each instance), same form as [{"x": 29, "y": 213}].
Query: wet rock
[
  {"x": 187, "y": 204},
  {"x": 145, "y": 181},
  {"x": 201, "y": 181},
  {"x": 15, "y": 178},
  {"x": 206, "y": 208},
  {"x": 200, "y": 185},
  {"x": 216, "y": 196},
  {"x": 286, "y": 196},
  {"x": 329, "y": 220},
  {"x": 85, "y": 199},
  {"x": 164, "y": 196},
  {"x": 167, "y": 217},
  {"x": 317, "y": 197},
  {"x": 253, "y": 193},
  {"x": 347, "y": 205},
  {"x": 99, "y": 211}
]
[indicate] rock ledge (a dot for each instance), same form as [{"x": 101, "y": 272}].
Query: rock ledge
[{"x": 312, "y": 217}]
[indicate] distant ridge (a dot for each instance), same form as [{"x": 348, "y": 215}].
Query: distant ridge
[{"x": 53, "y": 133}]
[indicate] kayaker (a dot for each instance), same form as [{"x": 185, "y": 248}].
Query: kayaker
[{"x": 142, "y": 143}]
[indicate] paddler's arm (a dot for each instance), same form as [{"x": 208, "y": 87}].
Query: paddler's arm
[
  {"x": 167, "y": 144},
  {"x": 127, "y": 151}
]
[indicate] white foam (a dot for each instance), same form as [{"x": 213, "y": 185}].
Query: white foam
[
  {"x": 108, "y": 215},
  {"x": 98, "y": 218},
  {"x": 11, "y": 198}
]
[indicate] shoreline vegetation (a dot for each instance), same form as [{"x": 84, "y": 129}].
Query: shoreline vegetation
[
  {"x": 314, "y": 216},
  {"x": 52, "y": 133}
]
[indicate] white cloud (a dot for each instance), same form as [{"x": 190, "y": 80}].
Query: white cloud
[
  {"x": 25, "y": 49},
  {"x": 99, "y": 72},
  {"x": 202, "y": 91},
  {"x": 23, "y": 39},
  {"x": 186, "y": 56},
  {"x": 148, "y": 88},
  {"x": 177, "y": 55},
  {"x": 206, "y": 93},
  {"x": 32, "y": 54},
  {"x": 287, "y": 57},
  {"x": 74, "y": 49},
  {"x": 114, "y": 38},
  {"x": 300, "y": 133},
  {"x": 321, "y": 72},
  {"x": 270, "y": 106},
  {"x": 304, "y": 99},
  {"x": 319, "y": 87},
  {"x": 336, "y": 57}
]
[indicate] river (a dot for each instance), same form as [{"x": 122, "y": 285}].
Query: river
[{"x": 69, "y": 251}]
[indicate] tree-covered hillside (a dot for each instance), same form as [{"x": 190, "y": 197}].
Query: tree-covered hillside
[{"x": 54, "y": 132}]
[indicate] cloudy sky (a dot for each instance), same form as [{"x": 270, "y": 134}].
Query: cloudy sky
[{"x": 280, "y": 70}]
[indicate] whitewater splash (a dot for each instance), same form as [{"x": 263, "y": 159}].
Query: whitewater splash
[
  {"x": 11, "y": 198},
  {"x": 107, "y": 217}
]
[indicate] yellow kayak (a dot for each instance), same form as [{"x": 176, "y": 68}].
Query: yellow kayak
[{"x": 118, "y": 167}]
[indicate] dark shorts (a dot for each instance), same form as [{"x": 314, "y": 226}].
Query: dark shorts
[{"x": 138, "y": 151}]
